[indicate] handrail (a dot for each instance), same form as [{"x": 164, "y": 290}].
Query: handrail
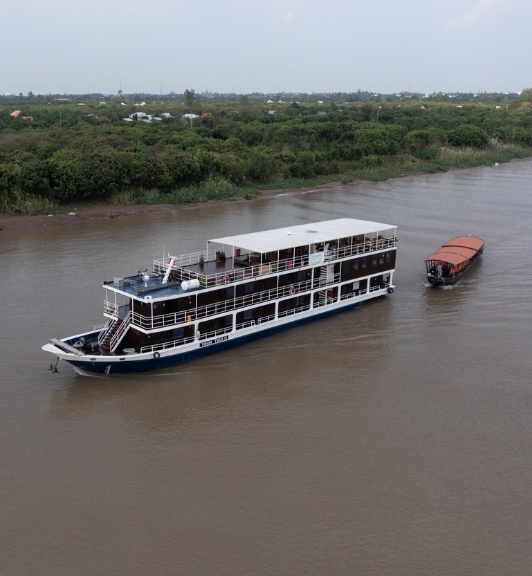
[
  {"x": 257, "y": 322},
  {"x": 172, "y": 318},
  {"x": 265, "y": 268},
  {"x": 332, "y": 253},
  {"x": 119, "y": 334},
  {"x": 102, "y": 335},
  {"x": 215, "y": 333},
  {"x": 165, "y": 345},
  {"x": 284, "y": 313}
]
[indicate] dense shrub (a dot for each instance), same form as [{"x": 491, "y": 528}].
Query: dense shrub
[
  {"x": 468, "y": 135},
  {"x": 67, "y": 153}
]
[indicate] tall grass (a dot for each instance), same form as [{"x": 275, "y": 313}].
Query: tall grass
[{"x": 17, "y": 202}]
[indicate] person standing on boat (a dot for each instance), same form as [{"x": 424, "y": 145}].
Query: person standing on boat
[{"x": 439, "y": 271}]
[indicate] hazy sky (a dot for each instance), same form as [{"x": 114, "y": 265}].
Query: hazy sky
[{"x": 264, "y": 46}]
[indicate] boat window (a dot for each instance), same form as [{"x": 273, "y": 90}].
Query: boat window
[
  {"x": 249, "y": 287},
  {"x": 381, "y": 259},
  {"x": 302, "y": 275},
  {"x": 364, "y": 263},
  {"x": 248, "y": 314},
  {"x": 230, "y": 293},
  {"x": 229, "y": 320},
  {"x": 178, "y": 333}
]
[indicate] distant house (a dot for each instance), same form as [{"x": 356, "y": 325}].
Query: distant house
[
  {"x": 190, "y": 116},
  {"x": 81, "y": 104},
  {"x": 320, "y": 114},
  {"x": 156, "y": 119},
  {"x": 104, "y": 118},
  {"x": 166, "y": 115},
  {"x": 140, "y": 116},
  {"x": 207, "y": 115},
  {"x": 103, "y": 103},
  {"x": 61, "y": 99},
  {"x": 320, "y": 101},
  {"x": 16, "y": 113},
  {"x": 271, "y": 111},
  {"x": 127, "y": 119},
  {"x": 269, "y": 101},
  {"x": 30, "y": 118}
]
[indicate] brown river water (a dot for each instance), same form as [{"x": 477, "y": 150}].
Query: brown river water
[{"x": 393, "y": 439}]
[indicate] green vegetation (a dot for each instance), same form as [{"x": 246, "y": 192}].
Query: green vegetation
[{"x": 71, "y": 153}]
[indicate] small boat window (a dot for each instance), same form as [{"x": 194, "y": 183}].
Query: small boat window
[{"x": 178, "y": 333}]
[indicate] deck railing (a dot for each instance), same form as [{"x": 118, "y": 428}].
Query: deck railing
[
  {"x": 238, "y": 274},
  {"x": 257, "y": 322},
  {"x": 172, "y": 318},
  {"x": 119, "y": 334},
  {"x": 165, "y": 345},
  {"x": 215, "y": 333},
  {"x": 284, "y": 313}
]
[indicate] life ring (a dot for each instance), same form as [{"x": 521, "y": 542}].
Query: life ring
[
  {"x": 225, "y": 279},
  {"x": 156, "y": 355},
  {"x": 390, "y": 290},
  {"x": 291, "y": 290}
]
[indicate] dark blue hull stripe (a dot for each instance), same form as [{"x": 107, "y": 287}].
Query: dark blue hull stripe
[{"x": 129, "y": 366}]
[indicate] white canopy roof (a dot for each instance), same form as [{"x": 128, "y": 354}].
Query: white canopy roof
[{"x": 303, "y": 235}]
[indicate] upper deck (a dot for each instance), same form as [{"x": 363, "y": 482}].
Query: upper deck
[{"x": 247, "y": 256}]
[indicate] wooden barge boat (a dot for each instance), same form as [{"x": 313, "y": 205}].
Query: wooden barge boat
[
  {"x": 240, "y": 288},
  {"x": 450, "y": 262}
]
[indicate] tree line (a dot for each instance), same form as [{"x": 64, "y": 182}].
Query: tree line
[{"x": 70, "y": 153}]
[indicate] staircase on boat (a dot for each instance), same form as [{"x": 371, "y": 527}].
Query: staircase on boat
[{"x": 111, "y": 336}]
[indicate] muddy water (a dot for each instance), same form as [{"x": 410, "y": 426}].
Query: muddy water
[{"x": 392, "y": 439}]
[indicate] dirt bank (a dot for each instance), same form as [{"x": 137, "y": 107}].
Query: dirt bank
[{"x": 100, "y": 211}]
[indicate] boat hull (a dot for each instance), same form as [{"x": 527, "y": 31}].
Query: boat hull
[{"x": 109, "y": 366}]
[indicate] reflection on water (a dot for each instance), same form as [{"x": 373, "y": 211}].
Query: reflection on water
[{"x": 382, "y": 440}]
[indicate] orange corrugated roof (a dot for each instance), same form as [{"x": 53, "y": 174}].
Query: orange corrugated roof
[
  {"x": 467, "y": 242},
  {"x": 15, "y": 113},
  {"x": 449, "y": 257}
]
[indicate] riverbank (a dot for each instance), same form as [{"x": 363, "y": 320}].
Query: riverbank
[{"x": 126, "y": 205}]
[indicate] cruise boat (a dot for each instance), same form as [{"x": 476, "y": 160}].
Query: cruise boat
[
  {"x": 238, "y": 289},
  {"x": 450, "y": 262}
]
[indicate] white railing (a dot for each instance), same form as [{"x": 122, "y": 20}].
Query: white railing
[
  {"x": 162, "y": 264},
  {"x": 172, "y": 318},
  {"x": 284, "y": 313},
  {"x": 369, "y": 246},
  {"x": 165, "y": 345},
  {"x": 215, "y": 333},
  {"x": 105, "y": 330},
  {"x": 257, "y": 322},
  {"x": 237, "y": 274},
  {"x": 325, "y": 281},
  {"x": 119, "y": 334},
  {"x": 161, "y": 321},
  {"x": 114, "y": 310}
]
